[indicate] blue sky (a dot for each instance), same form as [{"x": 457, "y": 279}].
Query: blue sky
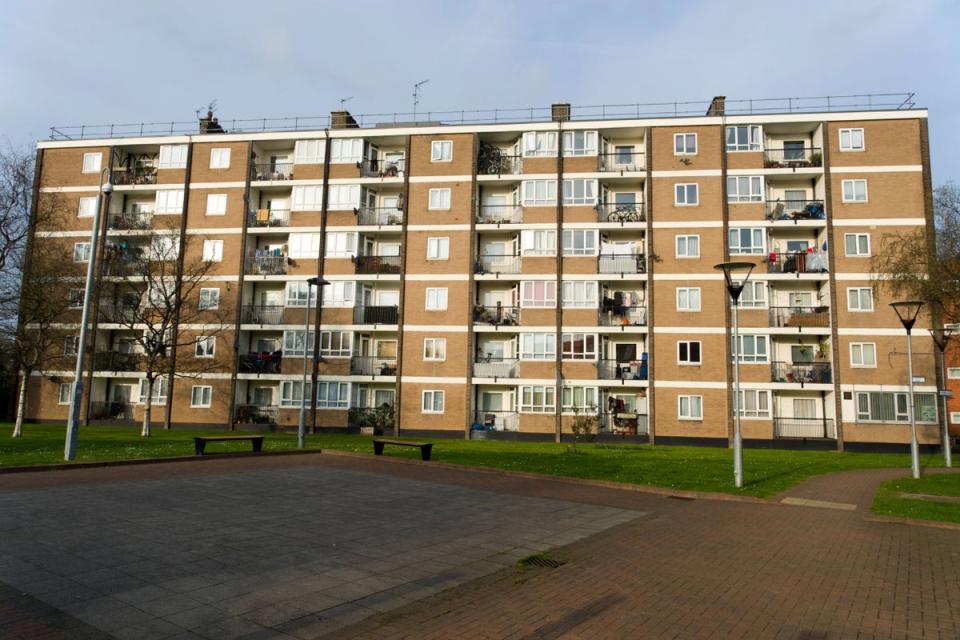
[{"x": 68, "y": 62}]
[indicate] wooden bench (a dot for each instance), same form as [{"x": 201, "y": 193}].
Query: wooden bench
[
  {"x": 425, "y": 447},
  {"x": 200, "y": 442}
]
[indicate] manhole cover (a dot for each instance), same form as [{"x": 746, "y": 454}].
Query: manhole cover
[{"x": 541, "y": 561}]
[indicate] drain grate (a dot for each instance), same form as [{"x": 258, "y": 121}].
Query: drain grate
[{"x": 541, "y": 561}]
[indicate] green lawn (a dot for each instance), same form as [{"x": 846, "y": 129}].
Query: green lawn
[
  {"x": 767, "y": 472},
  {"x": 888, "y": 503}
]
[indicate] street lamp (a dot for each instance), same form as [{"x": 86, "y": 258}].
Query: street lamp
[
  {"x": 735, "y": 288},
  {"x": 907, "y": 311},
  {"x": 73, "y": 419},
  {"x": 942, "y": 335},
  {"x": 302, "y": 426}
]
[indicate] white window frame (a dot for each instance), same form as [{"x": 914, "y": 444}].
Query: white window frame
[
  {"x": 579, "y": 143},
  {"x": 756, "y": 357},
  {"x": 70, "y": 345},
  {"x": 289, "y": 396},
  {"x": 434, "y": 349},
  {"x": 753, "y": 185},
  {"x": 694, "y": 408},
  {"x": 343, "y": 197},
  {"x": 164, "y": 247},
  {"x": 528, "y": 402},
  {"x": 75, "y": 298},
  {"x": 857, "y": 239},
  {"x": 758, "y": 295},
  {"x": 336, "y": 344},
  {"x": 858, "y": 307},
  {"x": 203, "y": 390},
  {"x": 92, "y": 162},
  {"x": 86, "y": 206},
  {"x": 689, "y": 361},
  {"x": 760, "y": 397},
  {"x": 339, "y": 244},
  {"x": 346, "y": 150},
  {"x": 900, "y": 398},
  {"x": 333, "y": 394},
  {"x": 953, "y": 373},
  {"x": 754, "y": 135},
  {"x": 586, "y": 238},
  {"x": 293, "y": 342},
  {"x": 539, "y": 193},
  {"x": 438, "y": 199},
  {"x": 586, "y": 402},
  {"x": 538, "y": 346},
  {"x": 579, "y": 294},
  {"x": 850, "y": 146},
  {"x": 212, "y": 251},
  {"x": 435, "y": 299},
  {"x": 441, "y": 151},
  {"x": 216, "y": 204},
  {"x": 339, "y": 294},
  {"x": 220, "y": 158},
  {"x": 431, "y": 399},
  {"x": 853, "y": 182},
  {"x": 81, "y": 252},
  {"x": 681, "y": 144},
  {"x": 538, "y": 294},
  {"x": 306, "y": 198},
  {"x": 68, "y": 386},
  {"x": 684, "y": 299},
  {"x": 735, "y": 238},
  {"x": 587, "y": 339},
  {"x": 438, "y": 248},
  {"x": 172, "y": 156},
  {"x": 213, "y": 299},
  {"x": 295, "y": 294},
  {"x": 160, "y": 391},
  {"x": 538, "y": 242},
  {"x": 539, "y": 144},
  {"x": 683, "y": 243},
  {"x": 168, "y": 201},
  {"x": 858, "y": 355},
  {"x": 580, "y": 192},
  {"x": 204, "y": 346},
  {"x": 309, "y": 151},
  {"x": 685, "y": 188},
  {"x": 304, "y": 245}
]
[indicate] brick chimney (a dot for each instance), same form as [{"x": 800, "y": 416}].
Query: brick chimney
[
  {"x": 717, "y": 106},
  {"x": 560, "y": 111},
  {"x": 210, "y": 124},
  {"x": 342, "y": 120}
]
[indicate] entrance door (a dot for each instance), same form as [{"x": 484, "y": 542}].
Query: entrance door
[
  {"x": 262, "y": 396},
  {"x": 793, "y": 150},
  {"x": 796, "y": 199},
  {"x": 804, "y": 408},
  {"x": 491, "y": 401},
  {"x": 382, "y": 397},
  {"x": 626, "y": 352},
  {"x": 121, "y": 393}
]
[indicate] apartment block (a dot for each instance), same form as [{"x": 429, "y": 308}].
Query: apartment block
[{"x": 514, "y": 274}]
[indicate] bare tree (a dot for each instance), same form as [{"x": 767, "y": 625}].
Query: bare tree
[{"x": 16, "y": 190}]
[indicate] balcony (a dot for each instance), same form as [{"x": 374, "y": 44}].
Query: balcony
[
  {"x": 490, "y": 367},
  {"x": 496, "y": 263},
  {"x": 130, "y": 261},
  {"x": 614, "y": 370},
  {"x": 375, "y": 315},
  {"x": 269, "y": 218},
  {"x": 376, "y": 264},
  {"x": 374, "y": 168},
  {"x": 621, "y": 213},
  {"x": 265, "y": 265},
  {"x": 799, "y": 317},
  {"x": 271, "y": 171},
  {"x": 115, "y": 361},
  {"x": 801, "y": 372},
  {"x": 494, "y": 162},
  {"x": 623, "y": 424},
  {"x": 613, "y": 315},
  {"x": 794, "y": 210},
  {"x": 497, "y": 315},
  {"x": 122, "y": 313},
  {"x": 130, "y": 221},
  {"x": 263, "y": 362},
  {"x": 378, "y": 216},
  {"x": 262, "y": 314},
  {"x": 499, "y": 214},
  {"x": 120, "y": 411},
  {"x": 622, "y": 263},
  {"x": 799, "y": 262},
  {"x": 820, "y": 428},
  {"x": 622, "y": 161},
  {"x": 373, "y": 366},
  {"x": 792, "y": 158},
  {"x": 140, "y": 175},
  {"x": 256, "y": 414},
  {"x": 497, "y": 420}
]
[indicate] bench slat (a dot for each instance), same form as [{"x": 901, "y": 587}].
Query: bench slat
[{"x": 425, "y": 447}]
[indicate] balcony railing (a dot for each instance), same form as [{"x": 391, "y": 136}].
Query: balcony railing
[
  {"x": 265, "y": 265},
  {"x": 124, "y": 262},
  {"x": 373, "y": 366},
  {"x": 130, "y": 221},
  {"x": 262, "y": 362},
  {"x": 799, "y": 317},
  {"x": 799, "y": 262},
  {"x": 140, "y": 175},
  {"x": 497, "y": 315},
  {"x": 792, "y": 157},
  {"x": 804, "y": 428},
  {"x": 115, "y": 361},
  {"x": 793, "y": 210},
  {"x": 615, "y": 370},
  {"x": 495, "y": 263},
  {"x": 499, "y": 214},
  {"x": 256, "y": 414},
  {"x": 623, "y": 424},
  {"x": 376, "y": 264},
  {"x": 375, "y": 315},
  {"x": 622, "y": 161},
  {"x": 622, "y": 263},
  {"x": 497, "y": 420},
  {"x": 801, "y": 373},
  {"x": 272, "y": 171},
  {"x": 493, "y": 161},
  {"x": 262, "y": 314},
  {"x": 378, "y": 216},
  {"x": 110, "y": 312},
  {"x": 269, "y": 218},
  {"x": 621, "y": 213},
  {"x": 376, "y": 168},
  {"x": 100, "y": 410},
  {"x": 612, "y": 315},
  {"x": 484, "y": 367}
]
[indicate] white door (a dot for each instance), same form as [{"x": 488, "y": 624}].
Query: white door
[{"x": 804, "y": 408}]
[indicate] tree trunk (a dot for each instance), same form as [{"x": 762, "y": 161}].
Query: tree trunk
[
  {"x": 21, "y": 405},
  {"x": 145, "y": 432}
]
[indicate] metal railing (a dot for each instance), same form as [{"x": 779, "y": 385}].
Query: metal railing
[
  {"x": 271, "y": 171},
  {"x": 793, "y": 210},
  {"x": 495, "y": 263},
  {"x": 130, "y": 221},
  {"x": 801, "y": 373},
  {"x": 799, "y": 317},
  {"x": 792, "y": 158},
  {"x": 115, "y": 361},
  {"x": 616, "y": 370},
  {"x": 262, "y": 362},
  {"x": 373, "y": 366},
  {"x": 499, "y": 214},
  {"x": 484, "y": 367},
  {"x": 612, "y": 315},
  {"x": 142, "y": 175},
  {"x": 101, "y": 410},
  {"x": 497, "y": 315},
  {"x": 622, "y": 263},
  {"x": 376, "y": 264},
  {"x": 621, "y": 213},
  {"x": 623, "y": 161},
  {"x": 623, "y": 424},
  {"x": 799, "y": 262},
  {"x": 265, "y": 265},
  {"x": 262, "y": 314},
  {"x": 375, "y": 168},
  {"x": 375, "y": 315},
  {"x": 110, "y": 312},
  {"x": 269, "y": 218},
  {"x": 497, "y": 420},
  {"x": 823, "y": 428},
  {"x": 125, "y": 262},
  {"x": 256, "y": 414},
  {"x": 491, "y": 161},
  {"x": 378, "y": 216}
]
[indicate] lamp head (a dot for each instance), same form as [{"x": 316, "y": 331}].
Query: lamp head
[
  {"x": 107, "y": 188},
  {"x": 316, "y": 282},
  {"x": 730, "y": 271},
  {"x": 907, "y": 311},
  {"x": 941, "y": 335}
]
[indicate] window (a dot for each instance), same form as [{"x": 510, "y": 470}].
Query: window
[
  {"x": 754, "y": 403},
  {"x": 886, "y": 406},
  {"x": 169, "y": 201},
  {"x": 854, "y": 190},
  {"x": 307, "y": 199},
  {"x": 91, "y": 162},
  {"x": 579, "y": 143},
  {"x": 540, "y": 143},
  {"x": 754, "y": 294},
  {"x": 863, "y": 354},
  {"x": 216, "y": 204},
  {"x": 291, "y": 393},
  {"x": 954, "y": 417},
  {"x": 70, "y": 345},
  {"x": 688, "y": 298},
  {"x": 745, "y": 189},
  {"x": 578, "y": 346},
  {"x": 219, "y": 158},
  {"x": 688, "y": 246},
  {"x": 441, "y": 151},
  {"x": 851, "y": 139},
  {"x": 744, "y": 138},
  {"x": 439, "y": 199},
  {"x": 857, "y": 245},
  {"x": 436, "y": 298},
  {"x": 205, "y": 346},
  {"x": 579, "y": 399},
  {"x": 336, "y": 344},
  {"x": 438, "y": 248},
  {"x": 580, "y": 192},
  {"x": 200, "y": 396},
  {"x": 435, "y": 349},
  {"x": 684, "y": 144},
  {"x": 537, "y": 399},
  {"x": 293, "y": 342},
  {"x": 75, "y": 299},
  {"x": 346, "y": 150},
  {"x": 159, "y": 395},
  {"x": 580, "y": 242},
  {"x": 333, "y": 395},
  {"x": 296, "y": 295},
  {"x": 308, "y": 151},
  {"x": 953, "y": 373},
  {"x": 343, "y": 197},
  {"x": 579, "y": 294},
  {"x": 746, "y": 241},
  {"x": 688, "y": 352},
  {"x": 81, "y": 252},
  {"x": 753, "y": 349},
  {"x": 539, "y": 193},
  {"x": 538, "y": 293},
  {"x": 432, "y": 402},
  {"x": 859, "y": 299},
  {"x": 538, "y": 242},
  {"x": 538, "y": 346},
  {"x": 66, "y": 390},
  {"x": 165, "y": 247},
  {"x": 87, "y": 206},
  {"x": 173, "y": 156},
  {"x": 340, "y": 244},
  {"x": 209, "y": 298},
  {"x": 690, "y": 407},
  {"x": 686, "y": 195},
  {"x": 305, "y": 245},
  {"x": 338, "y": 294},
  {"x": 213, "y": 250}
]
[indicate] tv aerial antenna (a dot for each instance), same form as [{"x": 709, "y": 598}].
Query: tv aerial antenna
[
  {"x": 344, "y": 101},
  {"x": 416, "y": 96}
]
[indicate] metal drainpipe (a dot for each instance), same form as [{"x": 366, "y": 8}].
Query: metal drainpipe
[
  {"x": 321, "y": 265},
  {"x": 405, "y": 220},
  {"x": 472, "y": 286},
  {"x": 558, "y": 344},
  {"x": 651, "y": 341},
  {"x": 832, "y": 284},
  {"x": 238, "y": 319}
]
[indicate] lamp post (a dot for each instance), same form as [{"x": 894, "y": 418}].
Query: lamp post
[
  {"x": 907, "y": 311},
  {"x": 735, "y": 288},
  {"x": 302, "y": 425},
  {"x": 941, "y": 336},
  {"x": 73, "y": 419}
]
